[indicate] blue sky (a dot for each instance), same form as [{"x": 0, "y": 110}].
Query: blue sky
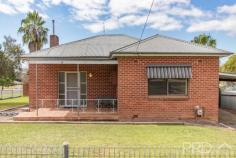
[{"x": 76, "y": 19}]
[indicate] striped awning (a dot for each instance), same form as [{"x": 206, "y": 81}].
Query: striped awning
[{"x": 169, "y": 71}]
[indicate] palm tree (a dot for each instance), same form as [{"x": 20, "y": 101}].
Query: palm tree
[
  {"x": 33, "y": 30},
  {"x": 204, "y": 39}
]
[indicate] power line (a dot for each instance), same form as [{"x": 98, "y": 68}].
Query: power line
[{"x": 144, "y": 27}]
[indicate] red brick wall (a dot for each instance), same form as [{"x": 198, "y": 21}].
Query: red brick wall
[
  {"x": 100, "y": 84},
  {"x": 133, "y": 96},
  {"x": 26, "y": 89},
  {"x": 54, "y": 40}
]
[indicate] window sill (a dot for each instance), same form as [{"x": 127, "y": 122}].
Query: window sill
[{"x": 160, "y": 97}]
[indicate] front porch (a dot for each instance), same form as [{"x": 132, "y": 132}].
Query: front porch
[{"x": 72, "y": 92}]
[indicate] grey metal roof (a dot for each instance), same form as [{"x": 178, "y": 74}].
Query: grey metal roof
[
  {"x": 169, "y": 71},
  {"x": 110, "y": 46},
  {"x": 96, "y": 46},
  {"x": 166, "y": 45}
]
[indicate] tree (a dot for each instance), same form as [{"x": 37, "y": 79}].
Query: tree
[
  {"x": 230, "y": 65},
  {"x": 7, "y": 74},
  {"x": 13, "y": 51},
  {"x": 33, "y": 30},
  {"x": 10, "y": 63},
  {"x": 204, "y": 39}
]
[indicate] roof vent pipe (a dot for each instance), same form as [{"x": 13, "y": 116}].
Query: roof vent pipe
[
  {"x": 53, "y": 27},
  {"x": 54, "y": 39}
]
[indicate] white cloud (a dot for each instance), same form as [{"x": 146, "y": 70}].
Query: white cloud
[
  {"x": 123, "y": 7},
  {"x": 7, "y": 9},
  {"x": 22, "y": 6},
  {"x": 132, "y": 20},
  {"x": 120, "y": 13},
  {"x": 186, "y": 12},
  {"x": 226, "y": 24},
  {"x": 166, "y": 15},
  {"x": 227, "y": 9},
  {"x": 43, "y": 15},
  {"x": 164, "y": 22},
  {"x": 83, "y": 10},
  {"x": 99, "y": 26},
  {"x": 224, "y": 21},
  {"x": 15, "y": 6},
  {"x": 156, "y": 21}
]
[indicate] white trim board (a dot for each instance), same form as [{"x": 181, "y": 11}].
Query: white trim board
[{"x": 75, "y": 62}]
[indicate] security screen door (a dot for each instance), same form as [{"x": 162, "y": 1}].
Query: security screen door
[{"x": 72, "y": 89}]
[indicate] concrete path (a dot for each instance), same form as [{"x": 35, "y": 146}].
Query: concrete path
[{"x": 228, "y": 117}]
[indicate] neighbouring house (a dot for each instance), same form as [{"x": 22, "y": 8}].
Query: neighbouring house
[{"x": 157, "y": 78}]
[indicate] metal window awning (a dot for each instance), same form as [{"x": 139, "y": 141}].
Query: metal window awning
[{"x": 169, "y": 71}]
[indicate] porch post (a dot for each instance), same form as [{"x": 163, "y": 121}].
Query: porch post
[
  {"x": 36, "y": 85},
  {"x": 79, "y": 86}
]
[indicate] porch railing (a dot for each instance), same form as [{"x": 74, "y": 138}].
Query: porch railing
[{"x": 82, "y": 105}]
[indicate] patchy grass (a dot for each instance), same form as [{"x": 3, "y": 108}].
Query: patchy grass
[
  {"x": 13, "y": 102},
  {"x": 112, "y": 135}
]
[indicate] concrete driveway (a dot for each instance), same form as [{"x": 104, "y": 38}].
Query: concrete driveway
[{"x": 228, "y": 117}]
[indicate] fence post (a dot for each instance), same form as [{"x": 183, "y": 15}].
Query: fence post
[{"x": 65, "y": 150}]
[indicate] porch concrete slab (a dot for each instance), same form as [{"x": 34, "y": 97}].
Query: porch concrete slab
[
  {"x": 44, "y": 112},
  {"x": 48, "y": 114}
]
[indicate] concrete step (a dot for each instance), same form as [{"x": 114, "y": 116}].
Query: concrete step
[{"x": 98, "y": 116}]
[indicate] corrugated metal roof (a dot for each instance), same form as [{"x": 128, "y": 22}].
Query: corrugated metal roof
[
  {"x": 169, "y": 71},
  {"x": 109, "y": 46},
  {"x": 162, "y": 44},
  {"x": 96, "y": 46}
]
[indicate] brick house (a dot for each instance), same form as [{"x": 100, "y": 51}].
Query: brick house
[{"x": 158, "y": 78}]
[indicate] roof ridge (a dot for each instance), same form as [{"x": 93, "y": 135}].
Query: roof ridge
[
  {"x": 84, "y": 39},
  {"x": 172, "y": 38},
  {"x": 139, "y": 41}
]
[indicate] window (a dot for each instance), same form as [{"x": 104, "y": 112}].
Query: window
[
  {"x": 61, "y": 88},
  {"x": 170, "y": 87}
]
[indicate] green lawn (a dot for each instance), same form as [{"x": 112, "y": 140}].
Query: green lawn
[
  {"x": 112, "y": 135},
  {"x": 13, "y": 102}
]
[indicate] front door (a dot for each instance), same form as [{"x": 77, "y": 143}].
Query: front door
[{"x": 72, "y": 89}]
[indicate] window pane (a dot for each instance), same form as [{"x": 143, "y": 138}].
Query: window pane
[
  {"x": 177, "y": 87},
  {"x": 83, "y": 88},
  {"x": 62, "y": 88},
  {"x": 82, "y": 96},
  {"x": 61, "y": 76},
  {"x": 82, "y": 76},
  {"x": 157, "y": 87},
  {"x": 83, "y": 100},
  {"x": 61, "y": 99},
  {"x": 61, "y": 96}
]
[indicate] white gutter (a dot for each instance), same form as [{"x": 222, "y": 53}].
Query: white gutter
[
  {"x": 73, "y": 62},
  {"x": 168, "y": 54}
]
